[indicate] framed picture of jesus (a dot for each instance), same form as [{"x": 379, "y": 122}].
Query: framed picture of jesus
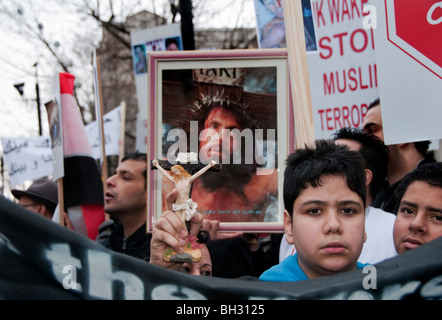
[{"x": 229, "y": 107}]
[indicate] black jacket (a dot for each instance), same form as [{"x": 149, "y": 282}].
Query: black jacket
[{"x": 137, "y": 245}]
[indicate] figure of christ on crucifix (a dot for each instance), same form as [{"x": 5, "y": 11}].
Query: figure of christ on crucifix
[{"x": 184, "y": 207}]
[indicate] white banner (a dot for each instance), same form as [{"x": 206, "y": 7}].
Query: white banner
[
  {"x": 111, "y": 124},
  {"x": 27, "y": 158},
  {"x": 343, "y": 73}
]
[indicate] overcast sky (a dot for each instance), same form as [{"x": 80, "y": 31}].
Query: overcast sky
[{"x": 18, "y": 116}]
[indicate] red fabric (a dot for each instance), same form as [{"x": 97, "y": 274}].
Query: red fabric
[
  {"x": 93, "y": 216},
  {"x": 67, "y": 83}
]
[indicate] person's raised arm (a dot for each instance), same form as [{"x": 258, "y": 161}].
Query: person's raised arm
[
  {"x": 161, "y": 169},
  {"x": 203, "y": 170}
]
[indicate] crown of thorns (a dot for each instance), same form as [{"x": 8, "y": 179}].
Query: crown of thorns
[{"x": 229, "y": 102}]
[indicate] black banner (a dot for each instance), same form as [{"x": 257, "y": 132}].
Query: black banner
[{"x": 39, "y": 259}]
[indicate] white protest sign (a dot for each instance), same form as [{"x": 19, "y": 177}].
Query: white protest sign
[
  {"x": 161, "y": 38},
  {"x": 111, "y": 123},
  {"x": 343, "y": 73},
  {"x": 409, "y": 55},
  {"x": 27, "y": 158}
]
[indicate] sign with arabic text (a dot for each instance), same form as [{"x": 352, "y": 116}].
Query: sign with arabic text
[{"x": 27, "y": 158}]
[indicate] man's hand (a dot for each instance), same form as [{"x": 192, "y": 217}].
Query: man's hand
[
  {"x": 212, "y": 226},
  {"x": 170, "y": 231}
]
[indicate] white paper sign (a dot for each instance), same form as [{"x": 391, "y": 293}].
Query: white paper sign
[
  {"x": 410, "y": 82},
  {"x": 161, "y": 38},
  {"x": 343, "y": 73},
  {"x": 27, "y": 158},
  {"x": 111, "y": 124}
]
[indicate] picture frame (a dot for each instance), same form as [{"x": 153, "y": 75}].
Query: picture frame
[{"x": 184, "y": 87}]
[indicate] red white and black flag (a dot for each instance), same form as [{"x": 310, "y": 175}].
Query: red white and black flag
[{"x": 82, "y": 183}]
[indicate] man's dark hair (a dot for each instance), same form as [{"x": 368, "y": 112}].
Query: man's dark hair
[
  {"x": 430, "y": 173},
  {"x": 374, "y": 155},
  {"x": 242, "y": 111},
  {"x": 421, "y": 146},
  {"x": 138, "y": 156},
  {"x": 374, "y": 103},
  {"x": 307, "y": 167}
]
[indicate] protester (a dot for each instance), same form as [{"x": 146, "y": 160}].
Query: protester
[
  {"x": 201, "y": 268},
  {"x": 126, "y": 203},
  {"x": 419, "y": 216},
  {"x": 378, "y": 223},
  {"x": 404, "y": 157},
  {"x": 324, "y": 200},
  {"x": 41, "y": 197}
]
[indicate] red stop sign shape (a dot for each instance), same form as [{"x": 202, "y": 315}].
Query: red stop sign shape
[{"x": 415, "y": 27}]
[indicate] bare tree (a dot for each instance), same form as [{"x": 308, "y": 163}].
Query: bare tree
[{"x": 105, "y": 24}]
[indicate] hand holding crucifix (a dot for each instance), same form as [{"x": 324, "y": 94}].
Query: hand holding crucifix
[{"x": 183, "y": 206}]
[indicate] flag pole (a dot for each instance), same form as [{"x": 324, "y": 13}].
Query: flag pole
[
  {"x": 61, "y": 200},
  {"x": 298, "y": 68},
  {"x": 101, "y": 127},
  {"x": 99, "y": 116},
  {"x": 121, "y": 143}
]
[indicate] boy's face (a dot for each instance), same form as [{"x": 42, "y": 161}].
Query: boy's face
[
  {"x": 328, "y": 228},
  {"x": 419, "y": 218}
]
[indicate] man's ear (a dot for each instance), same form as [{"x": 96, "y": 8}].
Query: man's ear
[
  {"x": 368, "y": 176},
  {"x": 288, "y": 227}
]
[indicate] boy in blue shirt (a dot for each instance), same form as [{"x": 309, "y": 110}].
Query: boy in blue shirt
[{"x": 324, "y": 198}]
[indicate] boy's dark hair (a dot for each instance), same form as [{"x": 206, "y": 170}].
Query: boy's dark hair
[
  {"x": 430, "y": 173},
  {"x": 306, "y": 167},
  {"x": 138, "y": 156},
  {"x": 374, "y": 155}
]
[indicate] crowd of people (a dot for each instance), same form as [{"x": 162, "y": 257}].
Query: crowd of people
[{"x": 348, "y": 202}]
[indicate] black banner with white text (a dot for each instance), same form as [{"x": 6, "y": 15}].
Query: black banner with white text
[{"x": 40, "y": 259}]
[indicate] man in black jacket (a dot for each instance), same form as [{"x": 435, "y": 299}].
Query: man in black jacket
[{"x": 126, "y": 203}]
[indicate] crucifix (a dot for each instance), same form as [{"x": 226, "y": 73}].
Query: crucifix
[{"x": 182, "y": 175}]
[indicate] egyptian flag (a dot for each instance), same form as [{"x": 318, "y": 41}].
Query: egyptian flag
[{"x": 82, "y": 183}]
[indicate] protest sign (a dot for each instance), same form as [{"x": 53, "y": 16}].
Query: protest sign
[
  {"x": 162, "y": 38},
  {"x": 270, "y": 22},
  {"x": 343, "y": 73},
  {"x": 27, "y": 158},
  {"x": 111, "y": 124},
  {"x": 408, "y": 53}
]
